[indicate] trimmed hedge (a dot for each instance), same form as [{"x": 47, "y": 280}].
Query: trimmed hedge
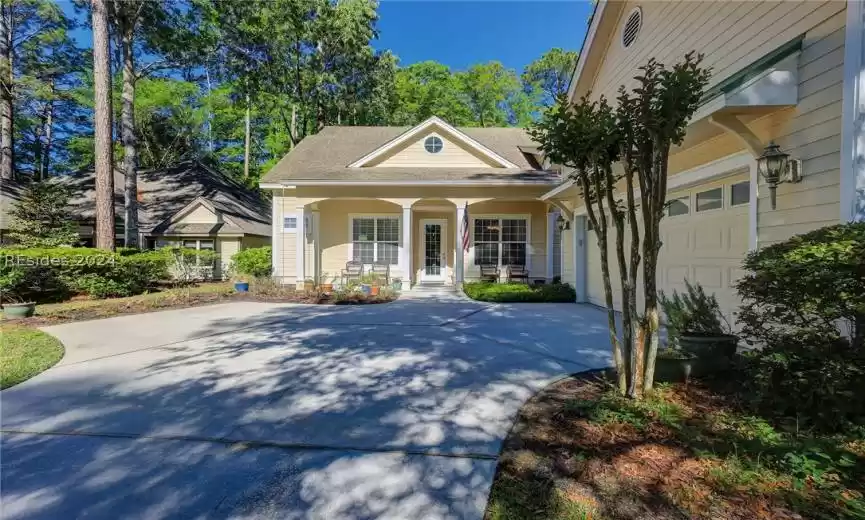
[
  {"x": 55, "y": 274},
  {"x": 518, "y": 292}
]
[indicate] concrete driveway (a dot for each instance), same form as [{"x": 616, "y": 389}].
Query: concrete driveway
[{"x": 248, "y": 410}]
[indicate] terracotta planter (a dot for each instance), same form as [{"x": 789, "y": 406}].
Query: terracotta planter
[
  {"x": 327, "y": 287},
  {"x": 308, "y": 286},
  {"x": 373, "y": 291}
]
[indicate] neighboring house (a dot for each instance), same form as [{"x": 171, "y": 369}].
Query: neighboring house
[
  {"x": 10, "y": 194},
  {"x": 397, "y": 195},
  {"x": 188, "y": 204},
  {"x": 789, "y": 72}
]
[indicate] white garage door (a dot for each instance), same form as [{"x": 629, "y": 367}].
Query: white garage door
[{"x": 705, "y": 238}]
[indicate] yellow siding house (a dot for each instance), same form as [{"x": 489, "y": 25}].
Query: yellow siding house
[
  {"x": 791, "y": 73},
  {"x": 402, "y": 197}
]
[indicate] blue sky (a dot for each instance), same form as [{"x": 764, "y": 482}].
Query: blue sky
[{"x": 460, "y": 33}]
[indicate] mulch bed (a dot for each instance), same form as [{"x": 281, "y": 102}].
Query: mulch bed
[
  {"x": 562, "y": 462},
  {"x": 179, "y": 301}
]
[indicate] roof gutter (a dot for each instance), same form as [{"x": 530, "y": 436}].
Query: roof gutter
[
  {"x": 558, "y": 189},
  {"x": 294, "y": 184}
]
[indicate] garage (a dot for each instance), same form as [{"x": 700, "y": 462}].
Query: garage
[{"x": 705, "y": 236}]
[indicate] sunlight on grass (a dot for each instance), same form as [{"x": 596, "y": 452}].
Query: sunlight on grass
[{"x": 25, "y": 352}]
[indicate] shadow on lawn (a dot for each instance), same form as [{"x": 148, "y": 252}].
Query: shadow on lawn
[{"x": 297, "y": 412}]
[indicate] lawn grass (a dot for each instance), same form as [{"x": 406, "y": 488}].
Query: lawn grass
[
  {"x": 25, "y": 352},
  {"x": 579, "y": 451},
  {"x": 519, "y": 292}
]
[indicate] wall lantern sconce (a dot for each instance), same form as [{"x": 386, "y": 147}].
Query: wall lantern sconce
[
  {"x": 776, "y": 167},
  {"x": 562, "y": 224}
]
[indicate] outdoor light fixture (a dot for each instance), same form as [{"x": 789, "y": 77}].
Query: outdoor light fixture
[
  {"x": 562, "y": 224},
  {"x": 776, "y": 167}
]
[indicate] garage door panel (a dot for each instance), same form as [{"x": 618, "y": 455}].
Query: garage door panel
[
  {"x": 709, "y": 240},
  {"x": 709, "y": 276}
]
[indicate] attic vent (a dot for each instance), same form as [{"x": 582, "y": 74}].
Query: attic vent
[{"x": 632, "y": 27}]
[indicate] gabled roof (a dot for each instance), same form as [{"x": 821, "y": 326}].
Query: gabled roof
[
  {"x": 167, "y": 191},
  {"x": 328, "y": 156}
]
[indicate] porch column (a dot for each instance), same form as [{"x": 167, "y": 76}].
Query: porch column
[
  {"x": 405, "y": 254},
  {"x": 580, "y": 259},
  {"x": 459, "y": 252},
  {"x": 551, "y": 237},
  {"x": 300, "y": 254}
]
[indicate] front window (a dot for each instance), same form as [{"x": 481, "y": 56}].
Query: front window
[
  {"x": 501, "y": 241},
  {"x": 375, "y": 239}
]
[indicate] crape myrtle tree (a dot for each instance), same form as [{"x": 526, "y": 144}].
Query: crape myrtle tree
[{"x": 589, "y": 137}]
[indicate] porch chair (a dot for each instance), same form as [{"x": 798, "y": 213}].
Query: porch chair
[
  {"x": 381, "y": 269},
  {"x": 353, "y": 271},
  {"x": 489, "y": 273},
  {"x": 518, "y": 272}
]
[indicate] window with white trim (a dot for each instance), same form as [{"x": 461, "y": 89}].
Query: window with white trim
[
  {"x": 375, "y": 239},
  {"x": 740, "y": 193},
  {"x": 289, "y": 223},
  {"x": 501, "y": 241}
]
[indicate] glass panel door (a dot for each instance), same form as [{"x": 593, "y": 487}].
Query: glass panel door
[{"x": 434, "y": 266}]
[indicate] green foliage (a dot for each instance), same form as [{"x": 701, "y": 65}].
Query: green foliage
[
  {"x": 254, "y": 262},
  {"x": 810, "y": 283},
  {"x": 54, "y": 274},
  {"x": 694, "y": 313},
  {"x": 41, "y": 219},
  {"x": 548, "y": 77},
  {"x": 518, "y": 292},
  {"x": 25, "y": 353},
  {"x": 494, "y": 95}
]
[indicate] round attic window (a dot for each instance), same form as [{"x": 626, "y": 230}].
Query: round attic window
[
  {"x": 632, "y": 27},
  {"x": 433, "y": 144}
]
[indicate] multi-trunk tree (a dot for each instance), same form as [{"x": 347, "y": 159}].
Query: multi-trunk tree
[{"x": 619, "y": 158}]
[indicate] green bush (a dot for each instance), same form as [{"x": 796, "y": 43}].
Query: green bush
[
  {"x": 518, "y": 292},
  {"x": 804, "y": 310},
  {"x": 54, "y": 274},
  {"x": 254, "y": 262}
]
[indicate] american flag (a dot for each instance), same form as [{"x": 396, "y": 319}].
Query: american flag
[{"x": 465, "y": 225}]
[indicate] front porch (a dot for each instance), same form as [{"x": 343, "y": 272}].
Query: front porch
[{"x": 420, "y": 239}]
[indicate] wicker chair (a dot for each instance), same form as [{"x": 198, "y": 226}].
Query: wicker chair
[
  {"x": 353, "y": 271},
  {"x": 489, "y": 273},
  {"x": 382, "y": 270},
  {"x": 518, "y": 272}
]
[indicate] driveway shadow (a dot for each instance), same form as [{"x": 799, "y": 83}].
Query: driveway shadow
[{"x": 325, "y": 413}]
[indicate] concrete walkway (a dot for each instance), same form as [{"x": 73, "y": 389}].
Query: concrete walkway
[{"x": 248, "y": 410}]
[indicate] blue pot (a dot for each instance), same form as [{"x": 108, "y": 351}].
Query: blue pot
[
  {"x": 366, "y": 289},
  {"x": 241, "y": 286}
]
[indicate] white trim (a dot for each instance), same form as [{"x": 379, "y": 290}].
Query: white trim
[
  {"x": 405, "y": 251},
  {"x": 300, "y": 248},
  {"x": 584, "y": 51},
  {"x": 397, "y": 216},
  {"x": 274, "y": 185},
  {"x": 515, "y": 216},
  {"x": 558, "y": 189},
  {"x": 316, "y": 247},
  {"x": 294, "y": 184},
  {"x": 853, "y": 116},
  {"x": 551, "y": 237},
  {"x": 405, "y": 136},
  {"x": 753, "y": 206},
  {"x": 459, "y": 252},
  {"x": 421, "y": 243}
]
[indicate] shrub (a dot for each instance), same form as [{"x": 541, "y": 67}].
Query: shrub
[
  {"x": 693, "y": 312},
  {"x": 254, "y": 262},
  {"x": 518, "y": 292},
  {"x": 53, "y": 274},
  {"x": 811, "y": 282},
  {"x": 41, "y": 217},
  {"x": 804, "y": 308}
]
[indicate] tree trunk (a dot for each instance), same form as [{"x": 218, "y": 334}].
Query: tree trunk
[
  {"x": 102, "y": 119},
  {"x": 49, "y": 138},
  {"x": 247, "y": 138},
  {"x": 209, "y": 110},
  {"x": 293, "y": 124},
  {"x": 7, "y": 95},
  {"x": 601, "y": 234},
  {"x": 129, "y": 139}
]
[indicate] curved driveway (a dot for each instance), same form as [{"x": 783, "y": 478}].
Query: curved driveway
[{"x": 250, "y": 410}]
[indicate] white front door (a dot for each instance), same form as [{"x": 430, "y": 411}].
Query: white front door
[{"x": 433, "y": 263}]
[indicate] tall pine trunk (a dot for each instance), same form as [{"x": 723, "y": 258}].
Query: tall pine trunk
[
  {"x": 247, "y": 138},
  {"x": 102, "y": 119},
  {"x": 7, "y": 95},
  {"x": 127, "y": 136},
  {"x": 48, "y": 131}
]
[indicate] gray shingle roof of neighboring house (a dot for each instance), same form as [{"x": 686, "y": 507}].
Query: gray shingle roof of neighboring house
[
  {"x": 325, "y": 156},
  {"x": 164, "y": 192}
]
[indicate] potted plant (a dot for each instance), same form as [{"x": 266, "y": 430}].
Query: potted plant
[
  {"x": 328, "y": 286},
  {"x": 308, "y": 285},
  {"x": 14, "y": 306},
  {"x": 673, "y": 366},
  {"x": 696, "y": 326},
  {"x": 396, "y": 284}
]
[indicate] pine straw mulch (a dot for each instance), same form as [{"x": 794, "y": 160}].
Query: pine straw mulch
[{"x": 579, "y": 452}]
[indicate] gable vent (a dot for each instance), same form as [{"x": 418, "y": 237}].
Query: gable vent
[{"x": 632, "y": 27}]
